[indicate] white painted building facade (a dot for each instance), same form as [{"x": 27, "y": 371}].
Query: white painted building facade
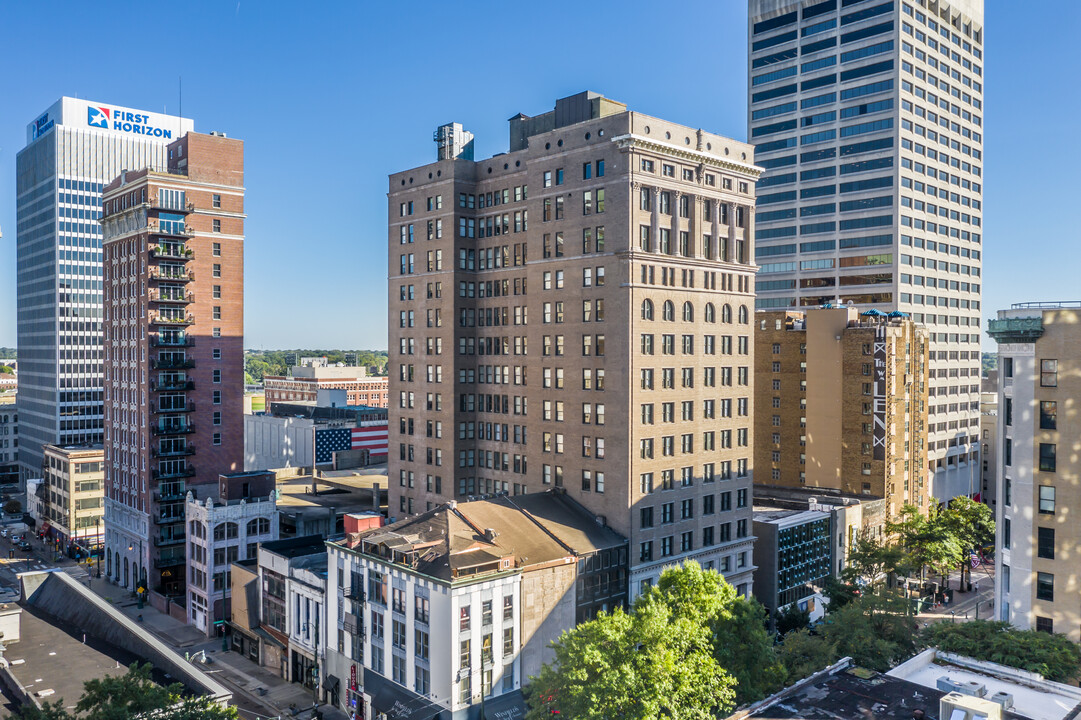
[{"x": 217, "y": 534}]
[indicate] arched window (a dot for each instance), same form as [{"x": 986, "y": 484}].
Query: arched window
[
  {"x": 744, "y": 316},
  {"x": 258, "y": 526},
  {"x": 711, "y": 313},
  {"x": 726, "y": 313},
  {"x": 226, "y": 531},
  {"x": 688, "y": 312},
  {"x": 647, "y": 309},
  {"x": 669, "y": 310}
]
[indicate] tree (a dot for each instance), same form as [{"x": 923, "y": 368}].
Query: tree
[
  {"x": 744, "y": 648},
  {"x": 132, "y": 696},
  {"x": 930, "y": 540},
  {"x": 680, "y": 654},
  {"x": 876, "y": 631},
  {"x": 7, "y": 370},
  {"x": 638, "y": 666},
  {"x": 1051, "y": 655},
  {"x": 869, "y": 560},
  {"x": 802, "y": 653},
  {"x": 792, "y": 619},
  {"x": 972, "y": 523},
  {"x": 838, "y": 594},
  {"x": 13, "y": 507}
]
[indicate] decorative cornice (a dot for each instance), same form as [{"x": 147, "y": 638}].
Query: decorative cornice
[{"x": 632, "y": 141}]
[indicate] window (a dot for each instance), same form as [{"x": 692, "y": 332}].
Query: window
[
  {"x": 1047, "y": 457},
  {"x": 1048, "y": 415},
  {"x": 1049, "y": 373},
  {"x": 1045, "y": 586},
  {"x": 217, "y": 200},
  {"x": 217, "y": 249},
  {"x": 1044, "y": 624},
  {"x": 217, "y": 270},
  {"x": 1047, "y": 499},
  {"x": 217, "y": 225},
  {"x": 1046, "y": 543}
]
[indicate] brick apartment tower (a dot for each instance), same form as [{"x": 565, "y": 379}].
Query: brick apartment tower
[
  {"x": 576, "y": 313},
  {"x": 174, "y": 337}
]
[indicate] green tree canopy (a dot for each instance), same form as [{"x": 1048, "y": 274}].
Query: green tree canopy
[
  {"x": 869, "y": 560},
  {"x": 792, "y": 619},
  {"x": 745, "y": 649},
  {"x": 691, "y": 648},
  {"x": 1053, "y": 656},
  {"x": 876, "y": 631},
  {"x": 132, "y": 696},
  {"x": 803, "y": 653}
]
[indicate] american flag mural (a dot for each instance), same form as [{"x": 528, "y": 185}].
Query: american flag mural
[{"x": 372, "y": 438}]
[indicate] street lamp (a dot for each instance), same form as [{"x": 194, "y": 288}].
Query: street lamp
[{"x": 99, "y": 539}]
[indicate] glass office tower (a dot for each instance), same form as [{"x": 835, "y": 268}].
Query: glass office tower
[
  {"x": 72, "y": 149},
  {"x": 868, "y": 117}
]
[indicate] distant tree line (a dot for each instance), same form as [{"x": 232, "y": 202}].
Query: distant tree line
[{"x": 259, "y": 363}]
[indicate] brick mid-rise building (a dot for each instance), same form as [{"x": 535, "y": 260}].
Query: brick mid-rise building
[
  {"x": 174, "y": 374},
  {"x": 576, "y": 313},
  {"x": 842, "y": 404}
]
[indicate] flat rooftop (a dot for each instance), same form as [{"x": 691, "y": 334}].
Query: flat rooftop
[
  {"x": 343, "y": 490},
  {"x": 56, "y": 660},
  {"x": 1034, "y": 699},
  {"x": 845, "y": 691}
]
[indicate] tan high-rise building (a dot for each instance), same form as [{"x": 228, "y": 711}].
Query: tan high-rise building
[
  {"x": 576, "y": 313},
  {"x": 1035, "y": 455},
  {"x": 842, "y": 404},
  {"x": 174, "y": 366}
]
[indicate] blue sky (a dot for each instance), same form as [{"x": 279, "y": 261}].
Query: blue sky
[{"x": 330, "y": 102}]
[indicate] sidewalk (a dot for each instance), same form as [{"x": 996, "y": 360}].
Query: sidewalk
[
  {"x": 966, "y": 605},
  {"x": 264, "y": 687},
  {"x": 257, "y": 685}
]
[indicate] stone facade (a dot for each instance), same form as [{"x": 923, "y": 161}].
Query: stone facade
[{"x": 576, "y": 314}]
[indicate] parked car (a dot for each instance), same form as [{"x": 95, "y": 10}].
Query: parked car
[
  {"x": 4, "y": 532},
  {"x": 24, "y": 545}
]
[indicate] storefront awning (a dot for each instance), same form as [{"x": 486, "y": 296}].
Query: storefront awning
[
  {"x": 332, "y": 684},
  {"x": 398, "y": 702},
  {"x": 509, "y": 706}
]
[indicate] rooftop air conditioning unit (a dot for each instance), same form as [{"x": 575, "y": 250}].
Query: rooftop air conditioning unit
[
  {"x": 1004, "y": 699},
  {"x": 946, "y": 685},
  {"x": 973, "y": 689}
]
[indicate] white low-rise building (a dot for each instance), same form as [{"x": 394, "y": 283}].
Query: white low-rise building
[
  {"x": 219, "y": 532},
  {"x": 431, "y": 614}
]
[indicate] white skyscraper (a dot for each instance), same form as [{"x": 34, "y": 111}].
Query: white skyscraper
[
  {"x": 868, "y": 117},
  {"x": 72, "y": 149}
]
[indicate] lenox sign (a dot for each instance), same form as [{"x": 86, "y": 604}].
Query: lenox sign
[{"x": 124, "y": 121}]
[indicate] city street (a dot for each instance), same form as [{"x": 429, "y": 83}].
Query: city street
[
  {"x": 977, "y": 604},
  {"x": 258, "y": 694}
]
